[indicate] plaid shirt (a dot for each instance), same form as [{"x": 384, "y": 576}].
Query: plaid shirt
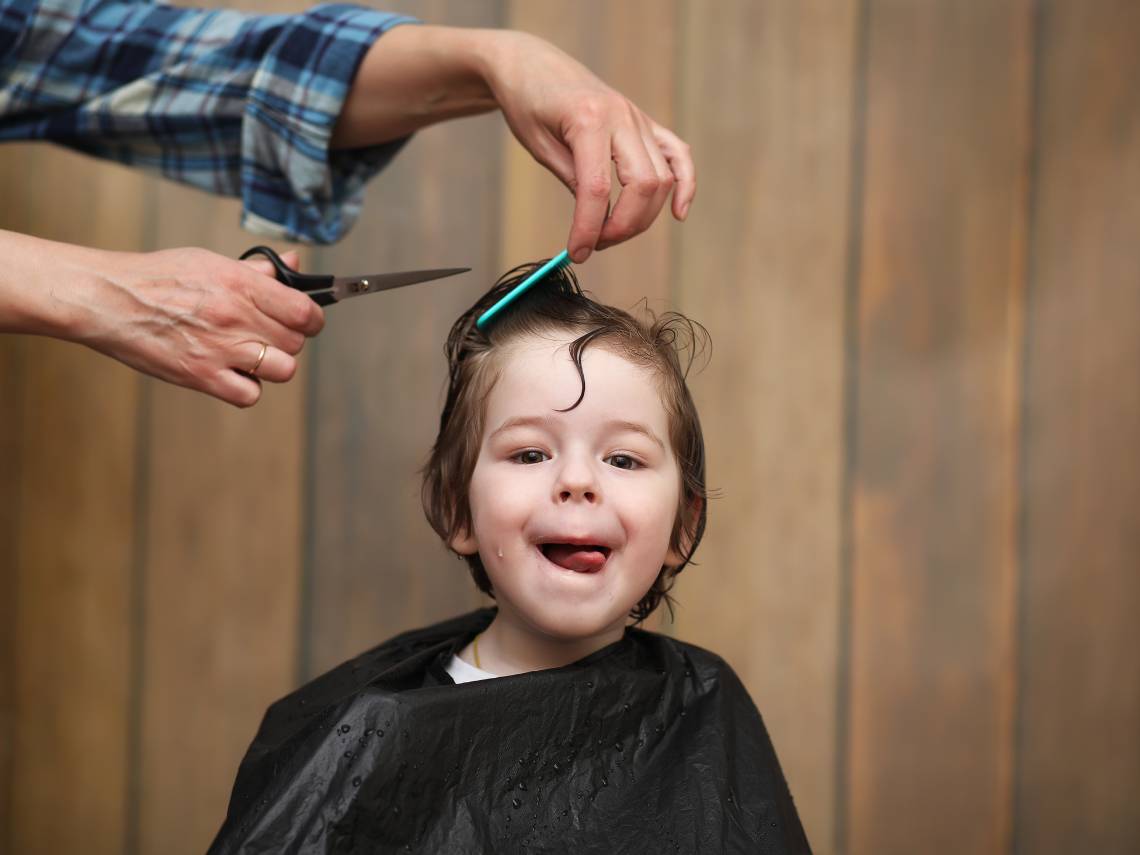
[{"x": 236, "y": 104}]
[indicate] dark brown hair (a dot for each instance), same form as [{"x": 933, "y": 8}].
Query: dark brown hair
[{"x": 666, "y": 345}]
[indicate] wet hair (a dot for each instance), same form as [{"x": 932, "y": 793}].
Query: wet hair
[{"x": 666, "y": 345}]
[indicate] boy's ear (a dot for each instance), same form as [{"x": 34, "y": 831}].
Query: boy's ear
[
  {"x": 692, "y": 515},
  {"x": 463, "y": 542}
]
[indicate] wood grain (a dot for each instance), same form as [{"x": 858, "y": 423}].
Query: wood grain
[
  {"x": 73, "y": 557},
  {"x": 1079, "y": 762},
  {"x": 222, "y": 559},
  {"x": 11, "y": 434},
  {"x": 761, "y": 264},
  {"x": 935, "y": 420},
  {"x": 11, "y": 453},
  {"x": 374, "y": 566}
]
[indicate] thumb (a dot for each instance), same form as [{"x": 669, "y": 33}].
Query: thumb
[{"x": 292, "y": 258}]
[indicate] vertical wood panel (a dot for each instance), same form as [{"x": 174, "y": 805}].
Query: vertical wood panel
[
  {"x": 766, "y": 106},
  {"x": 222, "y": 569},
  {"x": 632, "y": 47},
  {"x": 374, "y": 566},
  {"x": 11, "y": 452},
  {"x": 223, "y": 559},
  {"x": 11, "y": 426},
  {"x": 1079, "y": 769},
  {"x": 934, "y": 465},
  {"x": 73, "y": 557}
]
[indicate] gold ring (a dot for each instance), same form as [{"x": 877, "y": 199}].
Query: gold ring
[{"x": 253, "y": 371}]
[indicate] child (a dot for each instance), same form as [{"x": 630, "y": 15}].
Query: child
[{"x": 569, "y": 473}]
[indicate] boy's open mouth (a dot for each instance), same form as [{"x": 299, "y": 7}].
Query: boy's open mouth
[{"x": 579, "y": 557}]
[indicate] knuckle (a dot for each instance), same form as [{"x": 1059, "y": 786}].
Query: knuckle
[
  {"x": 598, "y": 186},
  {"x": 646, "y": 185},
  {"x": 293, "y": 343},
  {"x": 302, "y": 313},
  {"x": 590, "y": 113},
  {"x": 220, "y": 312},
  {"x": 622, "y": 231}
]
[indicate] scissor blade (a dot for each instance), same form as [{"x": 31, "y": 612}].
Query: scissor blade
[{"x": 344, "y": 287}]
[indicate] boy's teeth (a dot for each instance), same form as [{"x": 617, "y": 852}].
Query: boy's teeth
[{"x": 572, "y": 556}]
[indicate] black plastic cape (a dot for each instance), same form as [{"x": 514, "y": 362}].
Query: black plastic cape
[{"x": 648, "y": 745}]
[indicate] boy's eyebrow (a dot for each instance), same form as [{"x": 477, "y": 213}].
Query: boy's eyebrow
[
  {"x": 635, "y": 427},
  {"x": 612, "y": 425},
  {"x": 521, "y": 421}
]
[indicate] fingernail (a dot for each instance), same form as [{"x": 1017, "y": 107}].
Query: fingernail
[
  {"x": 685, "y": 210},
  {"x": 580, "y": 254}
]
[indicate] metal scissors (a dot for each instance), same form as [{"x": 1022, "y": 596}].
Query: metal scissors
[{"x": 326, "y": 289}]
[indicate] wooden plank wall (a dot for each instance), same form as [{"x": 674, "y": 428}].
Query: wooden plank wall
[
  {"x": 914, "y": 247},
  {"x": 221, "y": 546},
  {"x": 372, "y": 560},
  {"x": 762, "y": 264},
  {"x": 1080, "y": 481},
  {"x": 935, "y": 405},
  {"x": 70, "y": 566}
]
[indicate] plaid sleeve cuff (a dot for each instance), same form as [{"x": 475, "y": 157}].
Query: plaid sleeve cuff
[{"x": 292, "y": 186}]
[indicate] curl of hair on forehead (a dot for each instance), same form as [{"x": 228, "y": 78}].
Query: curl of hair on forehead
[{"x": 667, "y": 345}]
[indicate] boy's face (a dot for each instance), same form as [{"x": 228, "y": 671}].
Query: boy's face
[{"x": 572, "y": 512}]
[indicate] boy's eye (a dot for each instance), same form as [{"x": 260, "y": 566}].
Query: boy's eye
[
  {"x": 531, "y": 455},
  {"x": 622, "y": 461}
]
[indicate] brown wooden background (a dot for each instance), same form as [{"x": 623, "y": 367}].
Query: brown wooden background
[{"x": 916, "y": 248}]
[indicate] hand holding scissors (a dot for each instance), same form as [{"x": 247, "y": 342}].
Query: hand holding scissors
[
  {"x": 186, "y": 316},
  {"x": 325, "y": 289}
]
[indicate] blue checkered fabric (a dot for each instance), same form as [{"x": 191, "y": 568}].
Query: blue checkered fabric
[{"x": 235, "y": 104}]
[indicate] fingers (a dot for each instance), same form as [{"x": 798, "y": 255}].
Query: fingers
[
  {"x": 651, "y": 162},
  {"x": 275, "y": 366},
  {"x": 240, "y": 384},
  {"x": 286, "y": 306},
  {"x": 646, "y": 182},
  {"x": 680, "y": 159},
  {"x": 235, "y": 388},
  {"x": 591, "y": 192}
]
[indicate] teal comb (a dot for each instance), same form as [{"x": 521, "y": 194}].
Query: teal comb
[{"x": 560, "y": 260}]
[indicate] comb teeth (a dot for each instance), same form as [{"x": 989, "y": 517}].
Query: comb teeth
[{"x": 560, "y": 260}]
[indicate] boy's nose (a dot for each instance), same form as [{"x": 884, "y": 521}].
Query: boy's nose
[
  {"x": 576, "y": 483},
  {"x": 584, "y": 494}
]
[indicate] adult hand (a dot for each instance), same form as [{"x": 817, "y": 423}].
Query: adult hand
[
  {"x": 569, "y": 120},
  {"x": 187, "y": 316},
  {"x": 575, "y": 125}
]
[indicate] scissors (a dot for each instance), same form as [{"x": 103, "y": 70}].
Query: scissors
[{"x": 326, "y": 289}]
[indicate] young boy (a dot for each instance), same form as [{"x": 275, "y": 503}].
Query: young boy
[{"x": 569, "y": 473}]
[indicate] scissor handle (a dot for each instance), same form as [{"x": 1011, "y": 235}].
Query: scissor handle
[{"x": 316, "y": 285}]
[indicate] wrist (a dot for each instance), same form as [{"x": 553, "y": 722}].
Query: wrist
[
  {"x": 38, "y": 285},
  {"x": 485, "y": 53},
  {"x": 494, "y": 55}
]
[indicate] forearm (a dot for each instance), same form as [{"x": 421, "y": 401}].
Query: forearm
[
  {"x": 416, "y": 76},
  {"x": 42, "y": 284},
  {"x": 232, "y": 103}
]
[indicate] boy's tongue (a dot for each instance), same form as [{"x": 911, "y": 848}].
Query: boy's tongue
[{"x": 571, "y": 556}]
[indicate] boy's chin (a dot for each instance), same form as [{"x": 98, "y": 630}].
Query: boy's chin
[{"x": 574, "y": 623}]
